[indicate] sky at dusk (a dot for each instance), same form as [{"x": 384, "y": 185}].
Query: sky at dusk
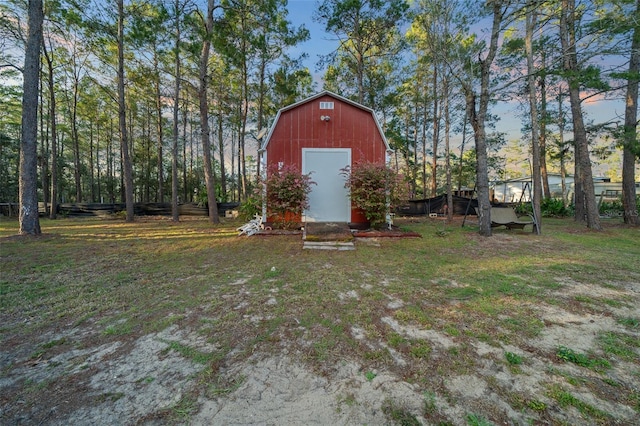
[{"x": 321, "y": 43}]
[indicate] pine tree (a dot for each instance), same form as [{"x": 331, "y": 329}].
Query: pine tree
[{"x": 28, "y": 184}]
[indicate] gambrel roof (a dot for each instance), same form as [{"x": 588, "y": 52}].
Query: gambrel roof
[{"x": 370, "y": 111}]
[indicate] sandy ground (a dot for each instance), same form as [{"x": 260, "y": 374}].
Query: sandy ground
[{"x": 140, "y": 381}]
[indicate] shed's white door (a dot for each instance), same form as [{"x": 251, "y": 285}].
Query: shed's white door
[{"x": 328, "y": 200}]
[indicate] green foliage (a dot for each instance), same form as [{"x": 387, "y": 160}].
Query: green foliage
[
  {"x": 420, "y": 349},
  {"x": 290, "y": 85},
  {"x": 513, "y": 46},
  {"x": 569, "y": 355},
  {"x": 287, "y": 191},
  {"x": 10, "y": 98},
  {"x": 371, "y": 30},
  {"x": 465, "y": 175},
  {"x": 566, "y": 399},
  {"x": 630, "y": 322},
  {"x": 375, "y": 189},
  {"x": 477, "y": 420},
  {"x": 619, "y": 344},
  {"x": 553, "y": 207},
  {"x": 592, "y": 78},
  {"x": 119, "y": 329},
  {"x": 523, "y": 209},
  {"x": 536, "y": 405},
  {"x": 252, "y": 205},
  {"x": 513, "y": 359},
  {"x": 611, "y": 208},
  {"x": 626, "y": 137},
  {"x": 200, "y": 196}
]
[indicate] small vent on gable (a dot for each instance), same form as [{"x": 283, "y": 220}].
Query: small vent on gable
[{"x": 326, "y": 105}]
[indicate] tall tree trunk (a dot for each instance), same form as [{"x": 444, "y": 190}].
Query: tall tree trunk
[
  {"x": 359, "y": 59},
  {"x": 204, "y": 115},
  {"x": 28, "y": 182},
  {"x": 186, "y": 188},
  {"x": 482, "y": 178},
  {"x": 127, "y": 172},
  {"x": 92, "y": 177},
  {"x": 243, "y": 132},
  {"x": 175, "y": 215},
  {"x": 467, "y": 117},
  {"x": 193, "y": 161},
  {"x": 562, "y": 155},
  {"x": 98, "y": 183},
  {"x": 110, "y": 165},
  {"x": 159, "y": 130},
  {"x": 412, "y": 166},
  {"x": 584, "y": 177},
  {"x": 54, "y": 136},
  {"x": 631, "y": 145},
  {"x": 478, "y": 122},
  {"x": 436, "y": 133},
  {"x": 234, "y": 182},
  {"x": 415, "y": 147},
  {"x": 261, "y": 101},
  {"x": 423, "y": 136},
  {"x": 447, "y": 147},
  {"x": 43, "y": 157},
  {"x": 77, "y": 175},
  {"x": 223, "y": 172},
  {"x": 240, "y": 156},
  {"x": 543, "y": 129},
  {"x": 147, "y": 147},
  {"x": 92, "y": 186},
  {"x": 533, "y": 106}
]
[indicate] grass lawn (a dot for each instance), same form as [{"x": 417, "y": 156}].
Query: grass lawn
[{"x": 513, "y": 329}]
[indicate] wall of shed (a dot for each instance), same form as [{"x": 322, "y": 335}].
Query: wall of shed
[{"x": 348, "y": 127}]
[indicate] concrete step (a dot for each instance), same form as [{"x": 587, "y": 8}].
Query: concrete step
[{"x": 328, "y": 245}]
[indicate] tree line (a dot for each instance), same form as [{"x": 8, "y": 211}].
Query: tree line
[{"x": 164, "y": 100}]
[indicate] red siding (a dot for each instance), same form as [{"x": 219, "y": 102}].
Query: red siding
[{"x": 348, "y": 127}]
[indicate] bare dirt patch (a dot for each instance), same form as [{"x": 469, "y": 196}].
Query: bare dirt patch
[{"x": 125, "y": 382}]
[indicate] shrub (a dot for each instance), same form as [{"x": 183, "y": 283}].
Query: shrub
[
  {"x": 375, "y": 189},
  {"x": 523, "y": 209},
  {"x": 616, "y": 208},
  {"x": 287, "y": 192},
  {"x": 612, "y": 208},
  {"x": 553, "y": 207},
  {"x": 252, "y": 205},
  {"x": 549, "y": 207}
]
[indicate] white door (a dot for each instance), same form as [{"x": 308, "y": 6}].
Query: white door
[{"x": 328, "y": 200}]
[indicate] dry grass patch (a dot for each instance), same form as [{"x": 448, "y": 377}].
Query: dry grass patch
[{"x": 460, "y": 328}]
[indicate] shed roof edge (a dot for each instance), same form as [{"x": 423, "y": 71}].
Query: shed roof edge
[{"x": 319, "y": 95}]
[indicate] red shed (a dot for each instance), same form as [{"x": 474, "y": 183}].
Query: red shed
[{"x": 322, "y": 135}]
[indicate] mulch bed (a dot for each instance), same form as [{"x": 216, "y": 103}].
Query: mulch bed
[
  {"x": 378, "y": 233},
  {"x": 273, "y": 232},
  {"x": 319, "y": 231}
]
